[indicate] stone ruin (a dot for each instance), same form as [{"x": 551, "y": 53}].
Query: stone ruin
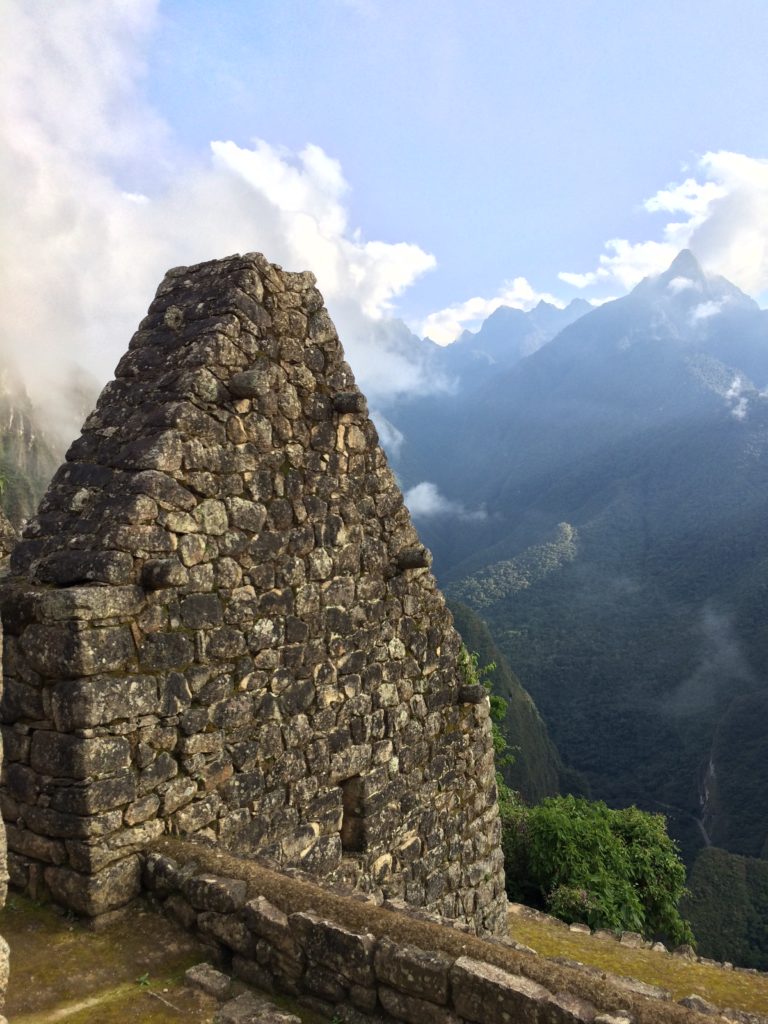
[{"x": 221, "y": 625}]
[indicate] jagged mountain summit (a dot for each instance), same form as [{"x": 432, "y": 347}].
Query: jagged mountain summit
[{"x": 504, "y": 338}]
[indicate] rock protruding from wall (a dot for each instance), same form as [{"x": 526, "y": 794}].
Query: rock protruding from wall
[{"x": 222, "y": 624}]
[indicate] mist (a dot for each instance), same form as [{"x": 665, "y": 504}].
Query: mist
[{"x": 98, "y": 201}]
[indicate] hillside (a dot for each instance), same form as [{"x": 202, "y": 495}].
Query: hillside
[
  {"x": 728, "y": 906},
  {"x": 619, "y": 555},
  {"x": 536, "y": 770},
  {"x": 28, "y": 457}
]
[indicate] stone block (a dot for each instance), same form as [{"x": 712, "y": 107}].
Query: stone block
[
  {"x": 216, "y": 893},
  {"x": 176, "y": 793},
  {"x": 482, "y": 993},
  {"x": 413, "y": 1010},
  {"x": 199, "y": 611},
  {"x": 22, "y": 701},
  {"x": 322, "y": 856},
  {"x": 101, "y": 699},
  {"x": 141, "y": 810},
  {"x": 163, "y": 453},
  {"x": 93, "y": 797},
  {"x": 68, "y": 568},
  {"x": 73, "y": 757},
  {"x": 92, "y": 895},
  {"x": 245, "y": 1009},
  {"x": 66, "y": 652},
  {"x": 254, "y": 974},
  {"x": 228, "y": 929},
  {"x": 48, "y": 822},
  {"x": 92, "y": 855},
  {"x": 208, "y": 979},
  {"x": 29, "y": 844},
  {"x": 161, "y": 573},
  {"x": 180, "y": 910},
  {"x": 338, "y": 949},
  {"x": 163, "y": 488},
  {"x": 162, "y": 875},
  {"x": 162, "y": 651},
  {"x": 413, "y": 971},
  {"x": 268, "y": 922}
]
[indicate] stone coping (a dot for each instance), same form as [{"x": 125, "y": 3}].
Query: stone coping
[{"x": 579, "y": 996}]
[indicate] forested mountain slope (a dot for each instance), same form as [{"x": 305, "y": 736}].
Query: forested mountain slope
[{"x": 619, "y": 543}]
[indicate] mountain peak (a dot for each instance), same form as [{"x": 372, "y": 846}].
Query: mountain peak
[{"x": 685, "y": 264}]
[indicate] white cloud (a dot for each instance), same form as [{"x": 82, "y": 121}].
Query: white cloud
[
  {"x": 85, "y": 247},
  {"x": 446, "y": 325},
  {"x": 425, "y": 501},
  {"x": 723, "y": 218},
  {"x": 390, "y": 437},
  {"x": 737, "y": 397},
  {"x": 705, "y": 310},
  {"x": 682, "y": 284}
]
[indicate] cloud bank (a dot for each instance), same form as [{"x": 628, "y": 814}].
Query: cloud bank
[
  {"x": 97, "y": 202},
  {"x": 721, "y": 213}
]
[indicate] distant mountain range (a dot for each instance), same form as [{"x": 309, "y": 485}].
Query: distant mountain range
[
  {"x": 606, "y": 513},
  {"x": 507, "y": 336}
]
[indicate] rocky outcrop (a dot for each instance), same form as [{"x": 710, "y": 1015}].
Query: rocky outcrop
[{"x": 222, "y": 624}]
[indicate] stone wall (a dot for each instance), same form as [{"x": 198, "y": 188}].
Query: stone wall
[
  {"x": 221, "y": 624},
  {"x": 393, "y": 967}
]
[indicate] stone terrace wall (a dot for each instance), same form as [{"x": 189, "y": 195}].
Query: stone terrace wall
[
  {"x": 222, "y": 624},
  {"x": 361, "y": 963}
]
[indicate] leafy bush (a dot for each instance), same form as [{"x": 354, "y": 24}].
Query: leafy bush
[{"x": 582, "y": 861}]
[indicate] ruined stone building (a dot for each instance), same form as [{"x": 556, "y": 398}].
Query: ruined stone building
[{"x": 221, "y": 625}]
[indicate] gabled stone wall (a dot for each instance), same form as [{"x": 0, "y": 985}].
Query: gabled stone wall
[{"x": 222, "y": 624}]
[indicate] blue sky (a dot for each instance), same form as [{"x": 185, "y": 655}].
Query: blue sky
[
  {"x": 429, "y": 160},
  {"x": 507, "y": 138}
]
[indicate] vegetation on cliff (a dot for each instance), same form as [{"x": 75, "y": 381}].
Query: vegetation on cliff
[
  {"x": 728, "y": 907},
  {"x": 583, "y": 861},
  {"x": 535, "y": 769}
]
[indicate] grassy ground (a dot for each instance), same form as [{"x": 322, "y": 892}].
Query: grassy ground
[
  {"x": 681, "y": 977},
  {"x": 133, "y": 970},
  {"x": 130, "y": 971}
]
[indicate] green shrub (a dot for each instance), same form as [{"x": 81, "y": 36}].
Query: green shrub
[{"x": 584, "y": 862}]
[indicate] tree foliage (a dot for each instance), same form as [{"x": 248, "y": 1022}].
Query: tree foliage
[
  {"x": 583, "y": 861},
  {"x": 727, "y": 903}
]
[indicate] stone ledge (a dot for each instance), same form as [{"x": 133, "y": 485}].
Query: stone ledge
[{"x": 371, "y": 962}]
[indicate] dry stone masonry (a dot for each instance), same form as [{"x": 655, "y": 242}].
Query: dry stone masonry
[{"x": 222, "y": 625}]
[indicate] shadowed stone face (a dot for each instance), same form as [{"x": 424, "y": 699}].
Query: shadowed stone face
[{"x": 222, "y": 624}]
